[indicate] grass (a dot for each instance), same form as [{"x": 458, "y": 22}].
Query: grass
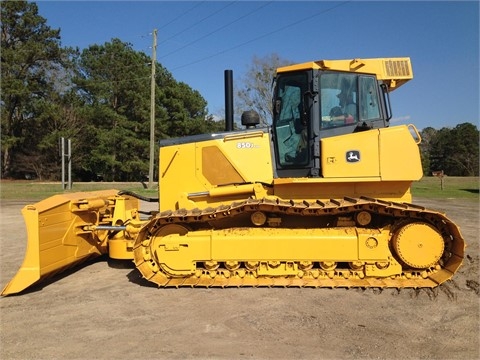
[
  {"x": 427, "y": 187},
  {"x": 453, "y": 187},
  {"x": 34, "y": 191}
]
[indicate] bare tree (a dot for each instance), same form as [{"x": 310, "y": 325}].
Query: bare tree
[{"x": 255, "y": 89}]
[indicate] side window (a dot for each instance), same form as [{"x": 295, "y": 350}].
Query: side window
[
  {"x": 369, "y": 108},
  {"x": 290, "y": 131},
  {"x": 339, "y": 99}
]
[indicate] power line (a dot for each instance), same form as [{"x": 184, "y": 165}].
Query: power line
[
  {"x": 198, "y": 22},
  {"x": 98, "y": 82},
  {"x": 261, "y": 36},
  {"x": 181, "y": 15},
  {"x": 215, "y": 31}
]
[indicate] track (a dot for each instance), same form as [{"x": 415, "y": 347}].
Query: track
[{"x": 233, "y": 245}]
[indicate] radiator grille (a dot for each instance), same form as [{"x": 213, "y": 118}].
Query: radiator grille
[{"x": 398, "y": 68}]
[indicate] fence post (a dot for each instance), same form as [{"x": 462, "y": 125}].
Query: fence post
[
  {"x": 68, "y": 155},
  {"x": 440, "y": 174}
]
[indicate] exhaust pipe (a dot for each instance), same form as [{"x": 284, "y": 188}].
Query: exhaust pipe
[{"x": 228, "y": 100}]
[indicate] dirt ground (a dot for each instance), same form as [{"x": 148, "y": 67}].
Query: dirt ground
[{"x": 103, "y": 311}]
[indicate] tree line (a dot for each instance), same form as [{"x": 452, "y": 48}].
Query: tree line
[
  {"x": 100, "y": 98},
  {"x": 453, "y": 151}
]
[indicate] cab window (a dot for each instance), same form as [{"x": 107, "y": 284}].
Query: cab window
[
  {"x": 369, "y": 108},
  {"x": 339, "y": 99},
  {"x": 290, "y": 128}
]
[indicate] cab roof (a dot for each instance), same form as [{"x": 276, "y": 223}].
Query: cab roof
[{"x": 393, "y": 71}]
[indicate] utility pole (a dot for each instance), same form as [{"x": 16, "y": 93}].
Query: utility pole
[{"x": 152, "y": 110}]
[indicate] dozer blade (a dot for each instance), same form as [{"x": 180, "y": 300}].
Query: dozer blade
[{"x": 58, "y": 235}]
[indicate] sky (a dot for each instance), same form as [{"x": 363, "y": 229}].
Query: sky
[{"x": 198, "y": 40}]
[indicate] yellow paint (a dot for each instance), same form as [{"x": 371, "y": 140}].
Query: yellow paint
[
  {"x": 59, "y": 235},
  {"x": 394, "y": 71},
  {"x": 208, "y": 173}
]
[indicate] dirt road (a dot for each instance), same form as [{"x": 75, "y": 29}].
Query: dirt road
[{"x": 103, "y": 311}]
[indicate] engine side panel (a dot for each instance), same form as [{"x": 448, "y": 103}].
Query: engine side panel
[{"x": 190, "y": 173}]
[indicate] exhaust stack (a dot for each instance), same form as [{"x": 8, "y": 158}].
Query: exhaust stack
[{"x": 228, "y": 100}]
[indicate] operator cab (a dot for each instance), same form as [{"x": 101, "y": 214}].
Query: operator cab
[{"x": 311, "y": 104}]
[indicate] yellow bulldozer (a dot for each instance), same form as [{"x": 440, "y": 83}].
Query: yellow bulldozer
[{"x": 321, "y": 198}]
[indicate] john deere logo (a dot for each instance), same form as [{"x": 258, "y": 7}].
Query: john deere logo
[{"x": 353, "y": 156}]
